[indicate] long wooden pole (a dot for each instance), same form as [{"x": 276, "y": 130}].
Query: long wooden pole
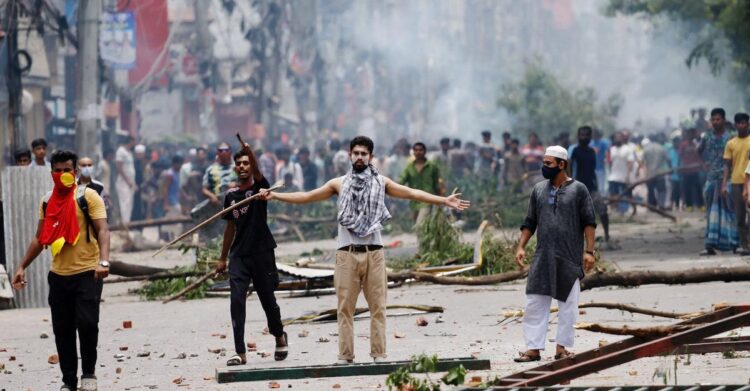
[
  {"x": 214, "y": 217},
  {"x": 190, "y": 287}
]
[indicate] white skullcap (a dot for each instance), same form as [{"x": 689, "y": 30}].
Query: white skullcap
[
  {"x": 557, "y": 151},
  {"x": 192, "y": 151},
  {"x": 140, "y": 148}
]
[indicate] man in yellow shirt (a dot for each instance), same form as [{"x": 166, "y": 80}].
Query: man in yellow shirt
[
  {"x": 736, "y": 155},
  {"x": 79, "y": 241}
]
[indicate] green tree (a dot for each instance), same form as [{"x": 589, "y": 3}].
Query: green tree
[
  {"x": 718, "y": 29},
  {"x": 540, "y": 102}
]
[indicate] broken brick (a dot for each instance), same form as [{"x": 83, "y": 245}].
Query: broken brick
[
  {"x": 53, "y": 359},
  {"x": 127, "y": 324}
]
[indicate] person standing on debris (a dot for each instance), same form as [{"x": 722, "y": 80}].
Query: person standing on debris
[
  {"x": 583, "y": 169},
  {"x": 515, "y": 170},
  {"x": 736, "y": 155},
  {"x": 79, "y": 242},
  {"x": 424, "y": 175},
  {"x": 621, "y": 160},
  {"x": 249, "y": 244},
  {"x": 360, "y": 263},
  {"x": 562, "y": 214},
  {"x": 721, "y": 225}
]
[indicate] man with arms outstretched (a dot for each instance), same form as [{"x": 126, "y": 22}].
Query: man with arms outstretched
[{"x": 360, "y": 263}]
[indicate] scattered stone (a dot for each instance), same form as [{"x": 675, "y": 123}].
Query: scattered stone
[
  {"x": 181, "y": 356},
  {"x": 44, "y": 336},
  {"x": 194, "y": 355},
  {"x": 399, "y": 335},
  {"x": 12, "y": 358},
  {"x": 7, "y": 372},
  {"x": 53, "y": 359},
  {"x": 323, "y": 339},
  {"x": 178, "y": 380},
  {"x": 303, "y": 334},
  {"x": 337, "y": 386},
  {"x": 45, "y": 319},
  {"x": 439, "y": 319},
  {"x": 118, "y": 371},
  {"x": 421, "y": 322},
  {"x": 251, "y": 346},
  {"x": 123, "y": 348},
  {"x": 264, "y": 354},
  {"x": 119, "y": 356},
  {"x": 581, "y": 312},
  {"x": 144, "y": 353},
  {"x": 333, "y": 334},
  {"x": 126, "y": 324},
  {"x": 3, "y": 350},
  {"x": 632, "y": 372},
  {"x": 274, "y": 384},
  {"x": 265, "y": 331},
  {"x": 2, "y": 366},
  {"x": 603, "y": 342},
  {"x": 214, "y": 351},
  {"x": 162, "y": 355}
]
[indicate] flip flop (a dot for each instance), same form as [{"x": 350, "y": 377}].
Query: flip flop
[
  {"x": 282, "y": 352},
  {"x": 564, "y": 354},
  {"x": 236, "y": 360},
  {"x": 526, "y": 357}
]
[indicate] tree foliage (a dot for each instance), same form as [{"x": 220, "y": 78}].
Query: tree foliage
[
  {"x": 540, "y": 102},
  {"x": 718, "y": 28}
]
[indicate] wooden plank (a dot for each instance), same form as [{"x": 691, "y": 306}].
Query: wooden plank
[{"x": 229, "y": 375}]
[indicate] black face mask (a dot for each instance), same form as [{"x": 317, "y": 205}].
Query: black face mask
[
  {"x": 584, "y": 141},
  {"x": 550, "y": 172}
]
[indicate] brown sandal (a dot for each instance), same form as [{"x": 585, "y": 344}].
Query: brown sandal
[
  {"x": 526, "y": 357},
  {"x": 564, "y": 354}
]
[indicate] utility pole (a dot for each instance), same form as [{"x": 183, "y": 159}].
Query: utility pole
[
  {"x": 16, "y": 130},
  {"x": 87, "y": 77},
  {"x": 204, "y": 59}
]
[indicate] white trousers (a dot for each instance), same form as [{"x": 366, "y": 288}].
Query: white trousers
[
  {"x": 536, "y": 319},
  {"x": 125, "y": 196}
]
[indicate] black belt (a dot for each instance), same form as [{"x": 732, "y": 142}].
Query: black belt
[{"x": 361, "y": 248}]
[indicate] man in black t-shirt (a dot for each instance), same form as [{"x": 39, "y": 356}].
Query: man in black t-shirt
[
  {"x": 250, "y": 246},
  {"x": 583, "y": 169}
]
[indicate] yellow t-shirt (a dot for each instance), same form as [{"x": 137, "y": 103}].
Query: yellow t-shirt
[
  {"x": 738, "y": 151},
  {"x": 84, "y": 256}
]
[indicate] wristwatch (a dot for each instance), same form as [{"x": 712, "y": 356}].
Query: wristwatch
[{"x": 104, "y": 263}]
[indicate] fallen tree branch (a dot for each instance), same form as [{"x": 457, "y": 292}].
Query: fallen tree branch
[
  {"x": 638, "y": 310},
  {"x": 331, "y": 314},
  {"x": 456, "y": 280},
  {"x": 643, "y": 332},
  {"x": 120, "y": 268},
  {"x": 690, "y": 276},
  {"x": 614, "y": 200},
  {"x": 190, "y": 287},
  {"x": 152, "y": 277}
]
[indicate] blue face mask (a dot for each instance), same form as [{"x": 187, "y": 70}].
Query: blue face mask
[{"x": 550, "y": 172}]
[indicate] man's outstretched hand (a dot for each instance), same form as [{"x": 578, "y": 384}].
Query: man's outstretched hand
[{"x": 455, "y": 202}]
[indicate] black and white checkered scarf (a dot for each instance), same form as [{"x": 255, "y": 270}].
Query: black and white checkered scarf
[{"x": 362, "y": 202}]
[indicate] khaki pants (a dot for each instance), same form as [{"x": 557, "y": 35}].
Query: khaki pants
[
  {"x": 422, "y": 215},
  {"x": 357, "y": 272}
]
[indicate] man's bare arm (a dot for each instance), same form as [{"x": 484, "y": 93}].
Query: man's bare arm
[
  {"x": 33, "y": 251},
  {"x": 328, "y": 190},
  {"x": 393, "y": 189}
]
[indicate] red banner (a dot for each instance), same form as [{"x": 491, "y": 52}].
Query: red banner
[{"x": 151, "y": 33}]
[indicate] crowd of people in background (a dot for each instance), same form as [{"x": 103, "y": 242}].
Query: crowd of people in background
[{"x": 706, "y": 170}]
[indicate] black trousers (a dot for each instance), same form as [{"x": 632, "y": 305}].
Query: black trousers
[
  {"x": 260, "y": 269},
  {"x": 676, "y": 193},
  {"x": 691, "y": 190},
  {"x": 656, "y": 192},
  {"x": 74, "y": 303}
]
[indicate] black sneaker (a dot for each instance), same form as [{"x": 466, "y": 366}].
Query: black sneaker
[{"x": 707, "y": 252}]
